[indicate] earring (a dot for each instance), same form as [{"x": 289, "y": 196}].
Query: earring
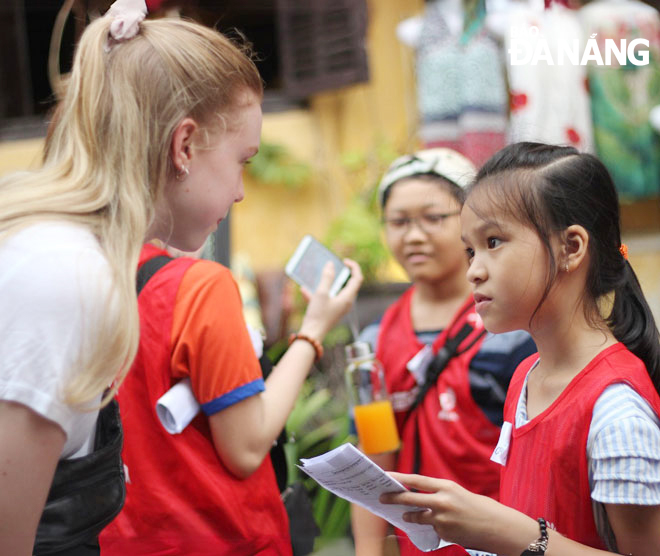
[
  {"x": 182, "y": 174},
  {"x": 565, "y": 267}
]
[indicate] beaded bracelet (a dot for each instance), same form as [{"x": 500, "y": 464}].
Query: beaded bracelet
[
  {"x": 540, "y": 545},
  {"x": 318, "y": 348}
]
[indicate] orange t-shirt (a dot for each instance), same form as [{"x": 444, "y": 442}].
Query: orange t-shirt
[{"x": 216, "y": 353}]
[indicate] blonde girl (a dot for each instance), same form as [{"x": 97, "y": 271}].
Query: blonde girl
[
  {"x": 580, "y": 450},
  {"x": 132, "y": 155}
]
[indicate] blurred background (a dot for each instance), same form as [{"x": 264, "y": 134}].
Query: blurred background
[{"x": 350, "y": 85}]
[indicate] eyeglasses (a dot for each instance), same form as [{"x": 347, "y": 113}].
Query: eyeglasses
[{"x": 428, "y": 223}]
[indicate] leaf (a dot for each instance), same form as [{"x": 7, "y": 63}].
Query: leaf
[
  {"x": 275, "y": 165},
  {"x": 305, "y": 409}
]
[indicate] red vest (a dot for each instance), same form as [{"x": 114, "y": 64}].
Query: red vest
[
  {"x": 456, "y": 438},
  {"x": 180, "y": 498},
  {"x": 547, "y": 472}
]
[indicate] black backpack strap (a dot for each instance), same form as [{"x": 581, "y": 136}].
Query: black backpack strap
[
  {"x": 439, "y": 362},
  {"x": 149, "y": 268},
  {"x": 277, "y": 453},
  {"x": 437, "y": 365}
]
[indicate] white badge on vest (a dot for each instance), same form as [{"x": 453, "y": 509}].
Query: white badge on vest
[
  {"x": 501, "y": 452},
  {"x": 420, "y": 362}
]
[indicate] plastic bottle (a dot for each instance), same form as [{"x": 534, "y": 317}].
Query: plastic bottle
[{"x": 372, "y": 409}]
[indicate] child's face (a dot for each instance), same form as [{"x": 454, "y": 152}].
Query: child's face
[
  {"x": 508, "y": 269},
  {"x": 197, "y": 204},
  {"x": 422, "y": 229}
]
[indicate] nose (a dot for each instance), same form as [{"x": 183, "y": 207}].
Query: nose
[
  {"x": 240, "y": 193},
  {"x": 414, "y": 231},
  {"x": 476, "y": 272}
]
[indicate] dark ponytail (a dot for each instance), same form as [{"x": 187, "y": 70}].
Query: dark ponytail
[
  {"x": 555, "y": 188},
  {"x": 632, "y": 323}
]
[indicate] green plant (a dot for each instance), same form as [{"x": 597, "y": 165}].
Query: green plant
[
  {"x": 356, "y": 233},
  {"x": 319, "y": 422},
  {"x": 274, "y": 165}
]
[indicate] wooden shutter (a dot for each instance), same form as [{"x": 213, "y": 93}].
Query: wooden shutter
[
  {"x": 322, "y": 44},
  {"x": 16, "y": 89}
]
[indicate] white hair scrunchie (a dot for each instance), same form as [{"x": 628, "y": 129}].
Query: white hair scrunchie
[{"x": 127, "y": 15}]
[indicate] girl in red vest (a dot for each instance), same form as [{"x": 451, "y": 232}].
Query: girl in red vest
[
  {"x": 580, "y": 447},
  {"x": 450, "y": 429},
  {"x": 210, "y": 490}
]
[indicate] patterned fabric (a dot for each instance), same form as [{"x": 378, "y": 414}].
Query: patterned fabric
[
  {"x": 622, "y": 97},
  {"x": 549, "y": 103},
  {"x": 624, "y": 449},
  {"x": 445, "y": 163},
  {"x": 462, "y": 95}
]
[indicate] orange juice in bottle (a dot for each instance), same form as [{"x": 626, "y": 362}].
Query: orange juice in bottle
[{"x": 372, "y": 410}]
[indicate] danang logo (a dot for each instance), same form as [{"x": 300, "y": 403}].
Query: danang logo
[{"x": 530, "y": 47}]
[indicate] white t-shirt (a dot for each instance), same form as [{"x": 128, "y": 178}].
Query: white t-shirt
[{"x": 54, "y": 287}]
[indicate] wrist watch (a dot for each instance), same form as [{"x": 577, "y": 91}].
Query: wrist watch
[{"x": 540, "y": 545}]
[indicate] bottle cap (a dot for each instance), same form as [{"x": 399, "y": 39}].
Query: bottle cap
[{"x": 358, "y": 350}]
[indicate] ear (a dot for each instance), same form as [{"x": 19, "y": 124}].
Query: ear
[
  {"x": 575, "y": 247},
  {"x": 182, "y": 142}
]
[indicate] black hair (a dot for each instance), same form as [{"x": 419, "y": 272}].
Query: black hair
[
  {"x": 555, "y": 187},
  {"x": 453, "y": 189}
]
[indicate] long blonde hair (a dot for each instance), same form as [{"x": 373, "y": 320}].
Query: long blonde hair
[{"x": 106, "y": 158}]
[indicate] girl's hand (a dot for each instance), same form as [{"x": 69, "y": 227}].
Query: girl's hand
[
  {"x": 462, "y": 517},
  {"x": 323, "y": 311}
]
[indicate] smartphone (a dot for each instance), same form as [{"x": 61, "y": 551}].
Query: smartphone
[{"x": 306, "y": 265}]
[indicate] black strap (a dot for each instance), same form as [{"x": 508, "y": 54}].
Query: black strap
[
  {"x": 440, "y": 361},
  {"x": 435, "y": 368},
  {"x": 149, "y": 268}
]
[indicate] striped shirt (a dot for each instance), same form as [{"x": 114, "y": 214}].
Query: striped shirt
[{"x": 623, "y": 451}]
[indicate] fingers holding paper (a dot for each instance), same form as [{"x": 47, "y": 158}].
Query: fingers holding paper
[{"x": 456, "y": 514}]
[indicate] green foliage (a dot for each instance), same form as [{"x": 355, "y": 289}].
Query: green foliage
[
  {"x": 274, "y": 165},
  {"x": 340, "y": 335},
  {"x": 319, "y": 422},
  {"x": 356, "y": 233}
]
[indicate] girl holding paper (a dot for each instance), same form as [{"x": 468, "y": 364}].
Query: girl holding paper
[
  {"x": 448, "y": 422},
  {"x": 580, "y": 456}
]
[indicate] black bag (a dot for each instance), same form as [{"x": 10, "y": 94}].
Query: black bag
[
  {"x": 297, "y": 502},
  {"x": 86, "y": 494},
  {"x": 302, "y": 526}
]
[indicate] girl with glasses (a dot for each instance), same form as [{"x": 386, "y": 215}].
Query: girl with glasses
[{"x": 449, "y": 423}]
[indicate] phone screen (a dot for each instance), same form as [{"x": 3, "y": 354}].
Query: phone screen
[{"x": 306, "y": 265}]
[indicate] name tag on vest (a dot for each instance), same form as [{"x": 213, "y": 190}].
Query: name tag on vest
[
  {"x": 501, "y": 452},
  {"x": 420, "y": 363}
]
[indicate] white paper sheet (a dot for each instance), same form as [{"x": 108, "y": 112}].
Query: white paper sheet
[
  {"x": 348, "y": 473},
  {"x": 178, "y": 406}
]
